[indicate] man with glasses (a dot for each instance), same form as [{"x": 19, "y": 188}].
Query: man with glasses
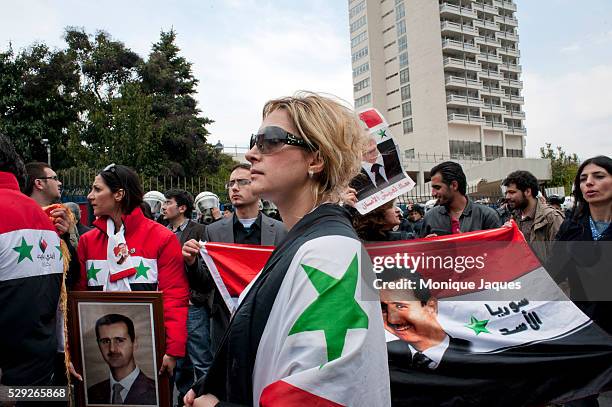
[
  {"x": 126, "y": 384},
  {"x": 248, "y": 225}
]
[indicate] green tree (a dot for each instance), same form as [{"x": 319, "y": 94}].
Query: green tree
[
  {"x": 38, "y": 100},
  {"x": 563, "y": 167},
  {"x": 168, "y": 78}
]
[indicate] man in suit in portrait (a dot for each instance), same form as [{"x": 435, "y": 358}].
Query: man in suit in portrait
[
  {"x": 248, "y": 225},
  {"x": 127, "y": 384},
  {"x": 412, "y": 316},
  {"x": 380, "y": 168}
]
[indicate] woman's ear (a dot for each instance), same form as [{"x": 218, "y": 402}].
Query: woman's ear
[
  {"x": 316, "y": 163},
  {"x": 119, "y": 195}
]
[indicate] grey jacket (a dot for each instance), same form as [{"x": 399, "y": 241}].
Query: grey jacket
[{"x": 474, "y": 217}]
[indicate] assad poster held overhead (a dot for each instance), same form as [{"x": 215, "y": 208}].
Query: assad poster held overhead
[
  {"x": 471, "y": 320},
  {"x": 382, "y": 177}
]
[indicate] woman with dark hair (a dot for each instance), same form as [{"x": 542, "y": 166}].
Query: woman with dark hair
[
  {"x": 378, "y": 225},
  {"x": 582, "y": 254},
  {"x": 125, "y": 251}
]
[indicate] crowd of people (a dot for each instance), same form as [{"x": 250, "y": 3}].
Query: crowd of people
[{"x": 303, "y": 157}]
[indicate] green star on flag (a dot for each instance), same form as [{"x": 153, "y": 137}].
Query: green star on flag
[
  {"x": 336, "y": 297},
  {"x": 24, "y": 250},
  {"x": 92, "y": 271},
  {"x": 382, "y": 133},
  {"x": 478, "y": 326},
  {"x": 141, "y": 270},
  {"x": 59, "y": 249}
]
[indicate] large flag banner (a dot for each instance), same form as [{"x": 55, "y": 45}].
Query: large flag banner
[{"x": 471, "y": 320}]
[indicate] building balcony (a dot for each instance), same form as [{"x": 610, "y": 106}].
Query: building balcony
[
  {"x": 461, "y": 64},
  {"x": 465, "y": 119},
  {"x": 511, "y": 21},
  {"x": 497, "y": 92},
  {"x": 495, "y": 125},
  {"x": 506, "y": 66},
  {"x": 517, "y": 131},
  {"x": 456, "y": 28},
  {"x": 491, "y": 25},
  {"x": 491, "y": 58},
  {"x": 512, "y": 83},
  {"x": 493, "y": 42},
  {"x": 513, "y": 52},
  {"x": 463, "y": 101},
  {"x": 457, "y": 11},
  {"x": 507, "y": 35},
  {"x": 491, "y": 75},
  {"x": 491, "y": 108},
  {"x": 513, "y": 99},
  {"x": 514, "y": 115},
  {"x": 452, "y": 45},
  {"x": 485, "y": 8},
  {"x": 463, "y": 82},
  {"x": 506, "y": 5}
]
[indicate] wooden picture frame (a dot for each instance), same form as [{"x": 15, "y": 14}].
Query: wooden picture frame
[{"x": 101, "y": 347}]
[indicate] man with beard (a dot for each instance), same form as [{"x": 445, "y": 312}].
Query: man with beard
[
  {"x": 538, "y": 222},
  {"x": 455, "y": 212},
  {"x": 127, "y": 384},
  {"x": 248, "y": 225}
]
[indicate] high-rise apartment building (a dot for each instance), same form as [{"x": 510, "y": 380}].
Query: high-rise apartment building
[{"x": 445, "y": 74}]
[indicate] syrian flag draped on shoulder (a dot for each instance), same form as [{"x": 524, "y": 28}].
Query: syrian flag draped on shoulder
[{"x": 470, "y": 319}]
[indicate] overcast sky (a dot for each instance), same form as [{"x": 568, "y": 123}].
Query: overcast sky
[{"x": 245, "y": 52}]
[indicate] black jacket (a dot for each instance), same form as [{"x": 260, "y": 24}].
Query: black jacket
[
  {"x": 199, "y": 288},
  {"x": 585, "y": 264}
]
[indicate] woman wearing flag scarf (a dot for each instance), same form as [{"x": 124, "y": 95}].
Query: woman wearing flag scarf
[
  {"x": 127, "y": 252},
  {"x": 303, "y": 333}
]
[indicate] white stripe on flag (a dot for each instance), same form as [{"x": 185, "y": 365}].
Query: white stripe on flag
[{"x": 29, "y": 253}]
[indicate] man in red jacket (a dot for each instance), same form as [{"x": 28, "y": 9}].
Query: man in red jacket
[{"x": 30, "y": 280}]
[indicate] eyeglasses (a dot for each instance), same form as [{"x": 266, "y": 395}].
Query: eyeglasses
[
  {"x": 54, "y": 178},
  {"x": 273, "y": 138},
  {"x": 240, "y": 182}
]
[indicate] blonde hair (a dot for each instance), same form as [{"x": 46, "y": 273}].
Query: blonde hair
[{"x": 336, "y": 132}]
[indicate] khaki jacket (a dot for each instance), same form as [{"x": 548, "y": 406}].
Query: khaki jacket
[{"x": 546, "y": 223}]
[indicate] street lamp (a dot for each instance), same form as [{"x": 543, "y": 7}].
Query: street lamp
[
  {"x": 45, "y": 142},
  {"x": 218, "y": 147}
]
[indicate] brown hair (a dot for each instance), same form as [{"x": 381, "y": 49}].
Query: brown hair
[
  {"x": 335, "y": 129},
  {"x": 370, "y": 227}
]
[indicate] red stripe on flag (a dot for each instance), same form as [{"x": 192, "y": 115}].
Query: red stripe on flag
[
  {"x": 371, "y": 118},
  {"x": 505, "y": 254},
  {"x": 238, "y": 264},
  {"x": 122, "y": 274},
  {"x": 281, "y": 393}
]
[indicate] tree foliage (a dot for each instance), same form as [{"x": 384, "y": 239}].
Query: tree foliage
[
  {"x": 97, "y": 102},
  {"x": 563, "y": 166}
]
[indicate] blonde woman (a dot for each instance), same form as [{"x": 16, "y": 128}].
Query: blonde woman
[{"x": 304, "y": 333}]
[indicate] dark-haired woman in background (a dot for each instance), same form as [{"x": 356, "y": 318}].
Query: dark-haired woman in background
[
  {"x": 377, "y": 225},
  {"x": 582, "y": 253},
  {"x": 127, "y": 252}
]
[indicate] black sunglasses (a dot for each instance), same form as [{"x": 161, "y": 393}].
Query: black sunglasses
[
  {"x": 272, "y": 138},
  {"x": 112, "y": 168}
]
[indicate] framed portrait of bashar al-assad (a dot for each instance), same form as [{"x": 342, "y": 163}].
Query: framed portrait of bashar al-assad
[{"x": 117, "y": 342}]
